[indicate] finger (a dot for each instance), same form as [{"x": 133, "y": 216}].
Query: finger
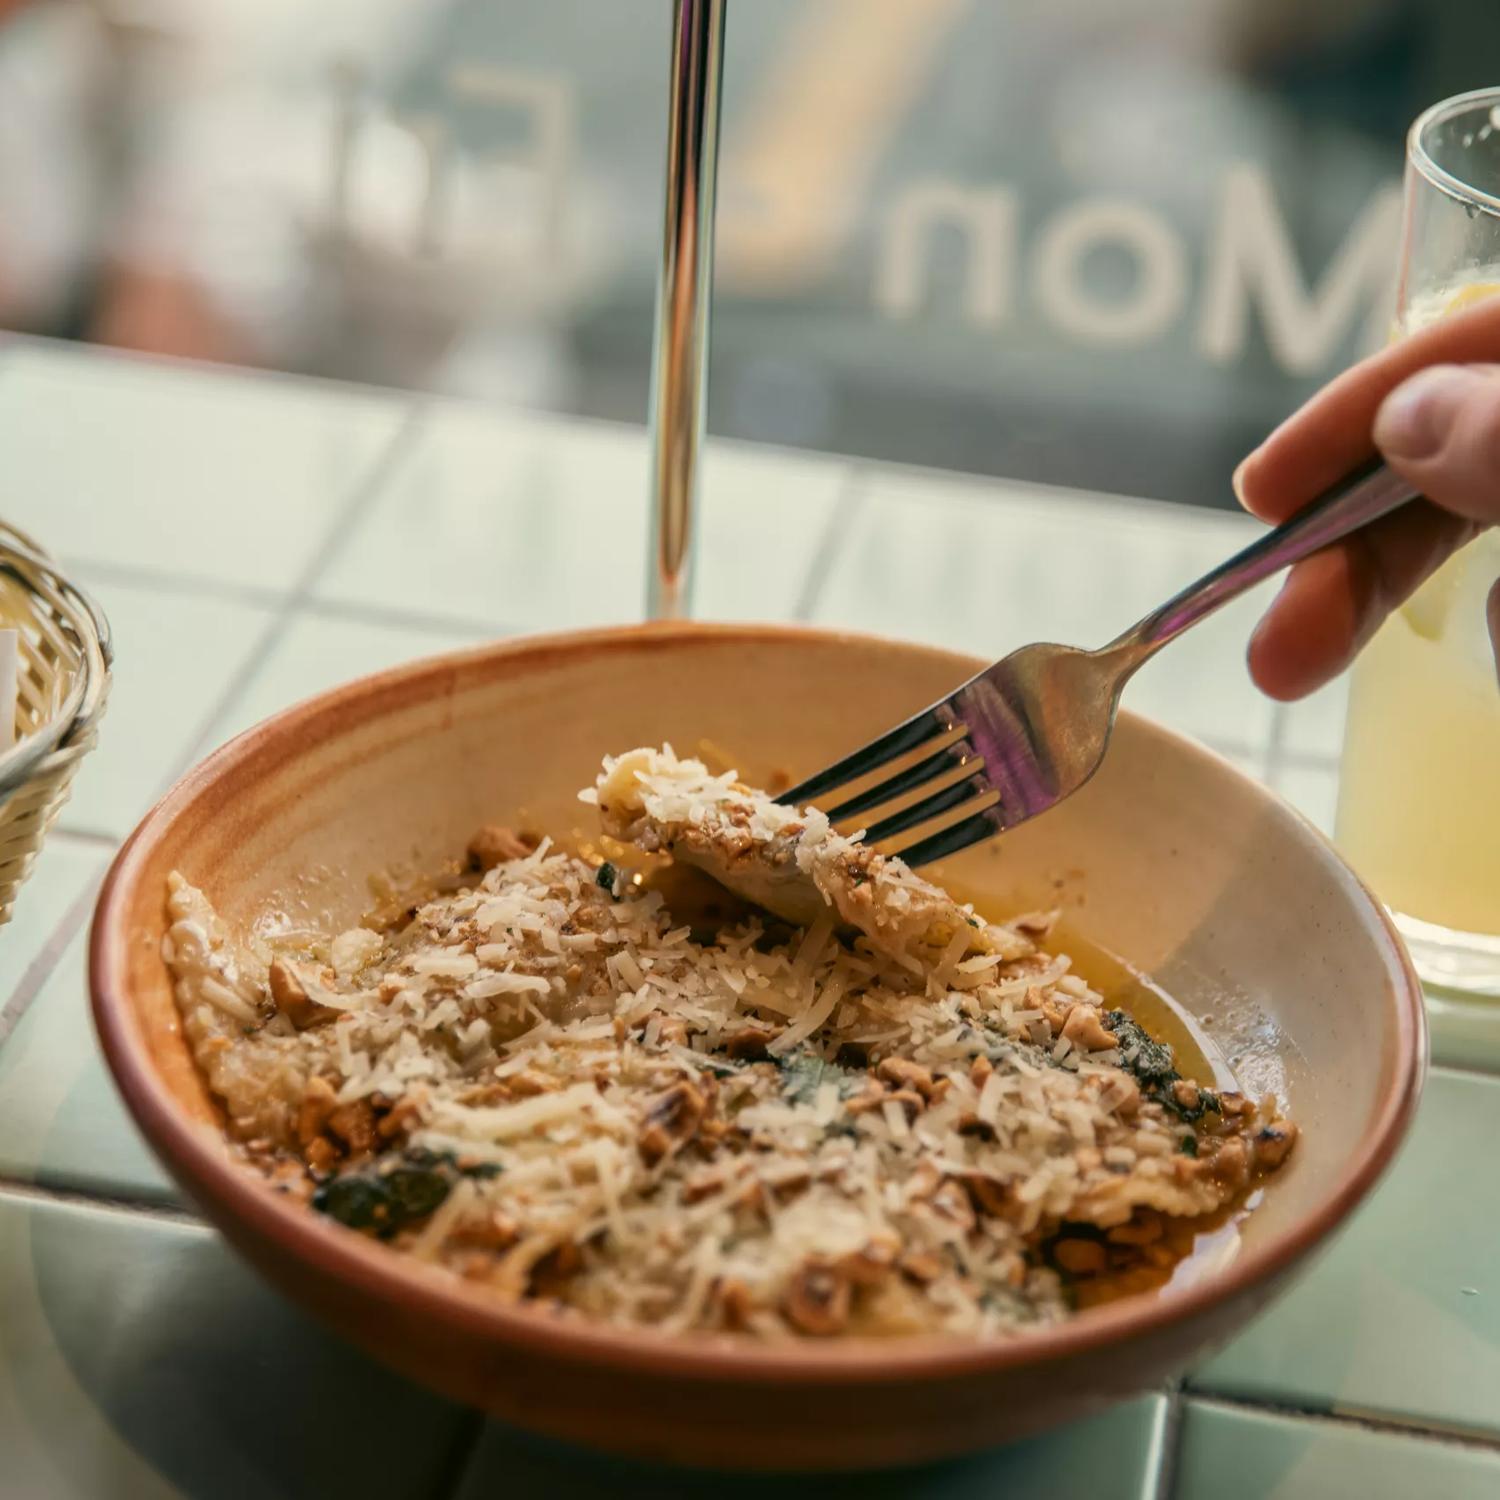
[
  {"x": 1441, "y": 430},
  {"x": 1333, "y": 602},
  {"x": 1317, "y": 445}
]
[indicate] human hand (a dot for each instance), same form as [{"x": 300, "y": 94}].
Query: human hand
[{"x": 1431, "y": 404}]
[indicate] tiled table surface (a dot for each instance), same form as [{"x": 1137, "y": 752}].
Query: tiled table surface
[{"x": 256, "y": 539}]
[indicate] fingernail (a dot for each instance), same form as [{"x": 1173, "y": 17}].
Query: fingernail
[
  {"x": 1237, "y": 480},
  {"x": 1414, "y": 420}
]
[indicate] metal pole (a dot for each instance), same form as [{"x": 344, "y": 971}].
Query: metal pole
[{"x": 679, "y": 361}]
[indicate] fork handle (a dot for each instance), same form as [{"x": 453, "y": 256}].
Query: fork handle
[{"x": 1361, "y": 497}]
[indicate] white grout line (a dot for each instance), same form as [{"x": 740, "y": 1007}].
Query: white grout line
[
  {"x": 415, "y": 619},
  {"x": 1384, "y": 1423},
  {"x": 459, "y": 1459},
  {"x": 179, "y": 364},
  {"x": 361, "y": 498},
  {"x": 90, "y": 838},
  {"x": 31, "y": 1193},
  {"x": 1164, "y": 1443},
  {"x": 41, "y": 968},
  {"x": 130, "y": 575},
  {"x": 835, "y": 531},
  {"x": 160, "y": 580}
]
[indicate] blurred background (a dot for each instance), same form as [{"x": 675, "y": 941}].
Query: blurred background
[{"x": 1099, "y": 243}]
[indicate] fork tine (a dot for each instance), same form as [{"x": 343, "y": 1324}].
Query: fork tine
[
  {"x": 950, "y": 840},
  {"x": 957, "y": 795},
  {"x": 914, "y": 732},
  {"x": 949, "y": 758}
]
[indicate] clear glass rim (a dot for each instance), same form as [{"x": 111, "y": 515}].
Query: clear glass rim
[{"x": 1440, "y": 178}]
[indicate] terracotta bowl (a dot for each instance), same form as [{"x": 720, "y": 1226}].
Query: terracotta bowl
[{"x": 1170, "y": 858}]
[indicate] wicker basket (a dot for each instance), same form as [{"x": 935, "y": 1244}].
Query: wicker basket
[{"x": 62, "y": 681}]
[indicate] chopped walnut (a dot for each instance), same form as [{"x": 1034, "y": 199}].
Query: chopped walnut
[
  {"x": 495, "y": 1231},
  {"x": 1080, "y": 1257},
  {"x": 1230, "y": 1164},
  {"x": 904, "y": 1074},
  {"x": 398, "y": 1120},
  {"x": 1084, "y": 1029},
  {"x": 354, "y": 1125},
  {"x": 1271, "y": 1144},
  {"x": 528, "y": 1083},
  {"x": 987, "y": 1193},
  {"x": 1144, "y": 1229},
  {"x": 871, "y": 1265},
  {"x": 554, "y": 1268},
  {"x": 1187, "y": 1094},
  {"x": 704, "y": 1185},
  {"x": 670, "y": 1030},
  {"x": 735, "y": 1305},
  {"x": 320, "y": 1154},
  {"x": 671, "y": 1122},
  {"x": 749, "y": 1044},
  {"x": 818, "y": 1300},
  {"x": 922, "y": 1266},
  {"x": 909, "y": 1100},
  {"x": 292, "y": 1000},
  {"x": 494, "y": 845},
  {"x": 318, "y": 1102}
]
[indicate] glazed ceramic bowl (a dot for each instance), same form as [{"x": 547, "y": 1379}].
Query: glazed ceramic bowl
[{"x": 1170, "y": 857}]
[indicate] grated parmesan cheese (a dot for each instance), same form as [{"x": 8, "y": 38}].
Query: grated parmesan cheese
[{"x": 754, "y": 1133}]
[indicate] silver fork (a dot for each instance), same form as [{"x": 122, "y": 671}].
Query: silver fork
[{"x": 1033, "y": 728}]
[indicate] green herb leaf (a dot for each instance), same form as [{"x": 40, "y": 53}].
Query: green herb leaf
[
  {"x": 415, "y": 1192},
  {"x": 1153, "y": 1065},
  {"x": 803, "y": 1073},
  {"x": 356, "y": 1202},
  {"x": 1150, "y": 1061}
]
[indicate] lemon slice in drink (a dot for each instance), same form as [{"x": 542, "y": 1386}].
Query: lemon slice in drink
[{"x": 1467, "y": 296}]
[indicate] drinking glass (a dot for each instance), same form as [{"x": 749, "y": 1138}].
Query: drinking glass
[{"x": 1419, "y": 792}]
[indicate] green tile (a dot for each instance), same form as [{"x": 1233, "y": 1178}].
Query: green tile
[
  {"x": 219, "y": 475},
  {"x": 176, "y": 655},
  {"x": 987, "y": 567},
  {"x": 1401, "y": 1317},
  {"x": 317, "y": 652},
  {"x": 139, "y": 1361},
  {"x": 531, "y": 522},
  {"x": 1225, "y": 1454},
  {"x": 59, "y": 878},
  {"x": 1110, "y": 1457},
  {"x": 61, "y": 1120},
  {"x": 1464, "y": 1033}
]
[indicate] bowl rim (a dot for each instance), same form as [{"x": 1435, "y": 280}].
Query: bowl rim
[{"x": 194, "y": 1152}]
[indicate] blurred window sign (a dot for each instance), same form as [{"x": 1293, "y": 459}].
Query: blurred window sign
[
  {"x": 462, "y": 198},
  {"x": 1248, "y": 263}
]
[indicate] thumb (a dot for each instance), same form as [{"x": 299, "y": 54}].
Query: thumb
[{"x": 1441, "y": 430}]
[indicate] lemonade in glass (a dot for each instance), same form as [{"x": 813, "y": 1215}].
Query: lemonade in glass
[{"x": 1419, "y": 792}]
